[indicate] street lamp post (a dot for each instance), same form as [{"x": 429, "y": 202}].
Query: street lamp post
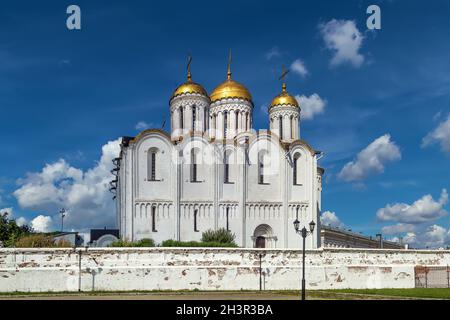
[
  {"x": 63, "y": 214},
  {"x": 304, "y": 233}
]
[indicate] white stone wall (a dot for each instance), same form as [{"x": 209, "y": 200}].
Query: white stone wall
[{"x": 34, "y": 270}]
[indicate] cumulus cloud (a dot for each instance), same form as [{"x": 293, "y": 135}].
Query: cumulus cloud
[
  {"x": 433, "y": 236},
  {"x": 21, "y": 221},
  {"x": 311, "y": 106},
  {"x": 439, "y": 135},
  {"x": 423, "y": 210},
  {"x": 398, "y": 228},
  {"x": 298, "y": 66},
  {"x": 343, "y": 38},
  {"x": 42, "y": 224},
  {"x": 371, "y": 160},
  {"x": 329, "y": 218},
  {"x": 85, "y": 194}
]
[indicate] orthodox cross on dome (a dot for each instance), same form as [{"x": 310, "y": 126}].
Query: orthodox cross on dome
[
  {"x": 230, "y": 60},
  {"x": 283, "y": 77},
  {"x": 189, "y": 76}
]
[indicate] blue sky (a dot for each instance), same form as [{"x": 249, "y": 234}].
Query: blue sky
[{"x": 66, "y": 94}]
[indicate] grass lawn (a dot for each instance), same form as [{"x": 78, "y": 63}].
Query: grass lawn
[
  {"x": 434, "y": 293},
  {"x": 342, "y": 294}
]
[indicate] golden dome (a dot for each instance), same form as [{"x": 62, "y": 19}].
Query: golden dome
[
  {"x": 230, "y": 89},
  {"x": 189, "y": 86},
  {"x": 284, "y": 99}
]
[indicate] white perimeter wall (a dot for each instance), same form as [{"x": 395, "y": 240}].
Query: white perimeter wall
[{"x": 125, "y": 269}]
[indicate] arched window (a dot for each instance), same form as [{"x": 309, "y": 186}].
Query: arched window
[
  {"x": 226, "y": 166},
  {"x": 281, "y": 127},
  {"x": 154, "y": 219},
  {"x": 291, "y": 121},
  {"x": 195, "y": 220},
  {"x": 228, "y": 218},
  {"x": 194, "y": 116},
  {"x": 225, "y": 125},
  {"x": 181, "y": 117},
  {"x": 295, "y": 178},
  {"x": 261, "y": 168},
  {"x": 194, "y": 165},
  {"x": 151, "y": 164}
]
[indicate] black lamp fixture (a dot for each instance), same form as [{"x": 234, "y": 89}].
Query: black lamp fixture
[
  {"x": 296, "y": 225},
  {"x": 304, "y": 233},
  {"x": 312, "y": 225}
]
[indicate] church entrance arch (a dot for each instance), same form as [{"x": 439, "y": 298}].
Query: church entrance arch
[
  {"x": 263, "y": 237},
  {"x": 260, "y": 242}
]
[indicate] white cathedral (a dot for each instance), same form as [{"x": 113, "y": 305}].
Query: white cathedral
[{"x": 214, "y": 171}]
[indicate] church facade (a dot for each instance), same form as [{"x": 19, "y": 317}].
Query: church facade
[{"x": 212, "y": 170}]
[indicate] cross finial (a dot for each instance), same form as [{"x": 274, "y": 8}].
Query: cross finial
[
  {"x": 230, "y": 60},
  {"x": 283, "y": 77},
  {"x": 189, "y": 76}
]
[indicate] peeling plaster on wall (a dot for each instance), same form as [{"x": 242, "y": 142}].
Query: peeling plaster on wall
[{"x": 34, "y": 270}]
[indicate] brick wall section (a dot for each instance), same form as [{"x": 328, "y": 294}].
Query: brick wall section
[{"x": 33, "y": 270}]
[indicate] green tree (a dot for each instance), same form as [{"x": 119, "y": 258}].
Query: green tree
[{"x": 10, "y": 232}]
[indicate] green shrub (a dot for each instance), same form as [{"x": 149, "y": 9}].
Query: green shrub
[
  {"x": 220, "y": 235},
  {"x": 174, "y": 243},
  {"x": 41, "y": 241},
  {"x": 141, "y": 243}
]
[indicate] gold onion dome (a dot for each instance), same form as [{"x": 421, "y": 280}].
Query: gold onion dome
[
  {"x": 230, "y": 89},
  {"x": 189, "y": 87},
  {"x": 284, "y": 99}
]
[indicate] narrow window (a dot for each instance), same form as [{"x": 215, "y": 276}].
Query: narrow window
[
  {"x": 194, "y": 116},
  {"x": 226, "y": 166},
  {"x": 193, "y": 166},
  {"x": 294, "y": 172},
  {"x": 154, "y": 219},
  {"x": 225, "y": 121},
  {"x": 195, "y": 220},
  {"x": 261, "y": 170},
  {"x": 181, "y": 118},
  {"x": 292, "y": 127},
  {"x": 153, "y": 160},
  {"x": 151, "y": 164},
  {"x": 295, "y": 178},
  {"x": 281, "y": 128},
  {"x": 228, "y": 218}
]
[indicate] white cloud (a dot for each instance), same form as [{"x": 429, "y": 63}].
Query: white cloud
[
  {"x": 398, "y": 228},
  {"x": 423, "y": 210},
  {"x": 439, "y": 135},
  {"x": 371, "y": 160},
  {"x": 142, "y": 125},
  {"x": 42, "y": 224},
  {"x": 343, "y": 38},
  {"x": 274, "y": 52},
  {"x": 433, "y": 236},
  {"x": 329, "y": 218},
  {"x": 85, "y": 194},
  {"x": 21, "y": 221},
  {"x": 298, "y": 66},
  {"x": 311, "y": 106},
  {"x": 9, "y": 211}
]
